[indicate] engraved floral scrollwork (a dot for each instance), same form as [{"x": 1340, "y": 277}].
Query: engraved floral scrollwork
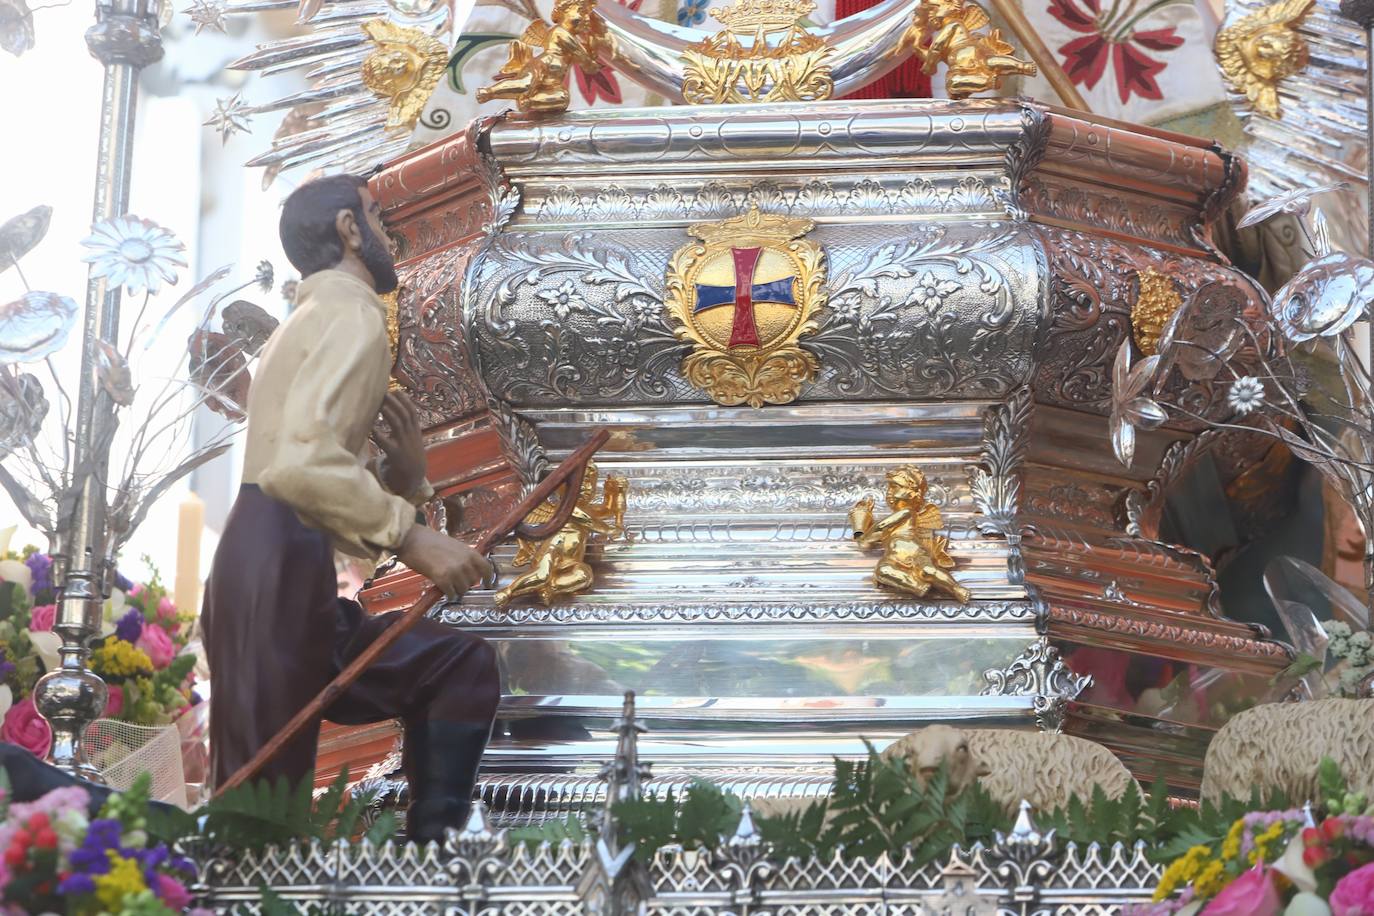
[
  {"x": 872, "y": 340},
  {"x": 431, "y": 358},
  {"x": 1038, "y": 672},
  {"x": 562, "y": 319}
]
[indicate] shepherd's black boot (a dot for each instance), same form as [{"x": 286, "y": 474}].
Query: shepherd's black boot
[{"x": 441, "y": 760}]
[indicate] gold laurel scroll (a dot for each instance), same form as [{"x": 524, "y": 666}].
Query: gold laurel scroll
[
  {"x": 721, "y": 69},
  {"x": 774, "y": 371}
]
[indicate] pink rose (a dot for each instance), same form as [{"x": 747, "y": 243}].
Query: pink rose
[
  {"x": 173, "y": 893},
  {"x": 42, "y": 618},
  {"x": 115, "y": 705},
  {"x": 166, "y": 609},
  {"x": 138, "y": 589},
  {"x": 159, "y": 646},
  {"x": 26, "y": 728},
  {"x": 1252, "y": 894},
  {"x": 1354, "y": 894}
]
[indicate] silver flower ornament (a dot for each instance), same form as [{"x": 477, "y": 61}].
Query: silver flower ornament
[
  {"x": 1203, "y": 335},
  {"x": 1246, "y": 395},
  {"x": 1325, "y": 297},
  {"x": 1131, "y": 409},
  {"x": 34, "y": 326},
  {"x": 135, "y": 253},
  {"x": 1295, "y": 202}
]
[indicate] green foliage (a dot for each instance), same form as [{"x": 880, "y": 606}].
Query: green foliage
[
  {"x": 551, "y": 831},
  {"x": 705, "y": 815},
  {"x": 1132, "y": 817},
  {"x": 1208, "y": 824},
  {"x": 262, "y": 814},
  {"x": 878, "y": 805}
]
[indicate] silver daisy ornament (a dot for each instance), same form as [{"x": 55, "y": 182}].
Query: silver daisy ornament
[
  {"x": 134, "y": 253},
  {"x": 1246, "y": 395},
  {"x": 1131, "y": 409},
  {"x": 35, "y": 326},
  {"x": 1295, "y": 202},
  {"x": 1325, "y": 297}
]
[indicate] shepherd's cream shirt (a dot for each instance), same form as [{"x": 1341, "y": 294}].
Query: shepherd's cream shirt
[{"x": 311, "y": 409}]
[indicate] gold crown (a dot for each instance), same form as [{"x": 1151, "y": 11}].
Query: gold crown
[
  {"x": 754, "y": 224},
  {"x": 768, "y": 14}
]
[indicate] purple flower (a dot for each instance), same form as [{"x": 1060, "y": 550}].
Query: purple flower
[
  {"x": 40, "y": 565},
  {"x": 76, "y": 885},
  {"x": 130, "y": 626},
  {"x": 183, "y": 865},
  {"x": 6, "y": 666},
  {"x": 123, "y": 584},
  {"x": 91, "y": 859}
]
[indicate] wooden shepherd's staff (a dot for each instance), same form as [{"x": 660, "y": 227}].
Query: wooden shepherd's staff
[{"x": 567, "y": 477}]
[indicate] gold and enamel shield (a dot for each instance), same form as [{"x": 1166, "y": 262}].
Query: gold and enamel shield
[{"x": 743, "y": 296}]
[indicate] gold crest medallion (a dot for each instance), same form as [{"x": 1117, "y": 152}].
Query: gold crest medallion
[{"x": 743, "y": 296}]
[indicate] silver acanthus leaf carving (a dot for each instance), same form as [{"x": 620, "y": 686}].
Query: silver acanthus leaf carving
[
  {"x": 1038, "y": 672},
  {"x": 996, "y": 483}
]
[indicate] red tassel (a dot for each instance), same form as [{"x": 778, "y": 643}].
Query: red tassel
[{"x": 905, "y": 82}]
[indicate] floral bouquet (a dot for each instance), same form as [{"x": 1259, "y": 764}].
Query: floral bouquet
[
  {"x": 1280, "y": 862},
  {"x": 55, "y": 859},
  {"x": 140, "y": 653}
]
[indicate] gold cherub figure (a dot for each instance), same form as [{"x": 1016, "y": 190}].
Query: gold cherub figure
[
  {"x": 536, "y": 74},
  {"x": 975, "y": 62},
  {"x": 1263, "y": 48},
  {"x": 914, "y": 556},
  {"x": 558, "y": 565}
]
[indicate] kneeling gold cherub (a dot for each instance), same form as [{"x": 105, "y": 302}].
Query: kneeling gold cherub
[
  {"x": 558, "y": 565},
  {"x": 914, "y": 556}
]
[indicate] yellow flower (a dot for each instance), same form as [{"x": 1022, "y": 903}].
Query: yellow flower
[
  {"x": 1212, "y": 879},
  {"x": 121, "y": 658},
  {"x": 122, "y": 880},
  {"x": 1182, "y": 870},
  {"x": 1264, "y": 840},
  {"x": 1230, "y": 848}
]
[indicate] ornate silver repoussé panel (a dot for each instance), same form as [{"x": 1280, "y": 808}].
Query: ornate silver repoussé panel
[{"x": 983, "y": 261}]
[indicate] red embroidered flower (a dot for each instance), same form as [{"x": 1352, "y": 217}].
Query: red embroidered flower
[
  {"x": 1113, "y": 37},
  {"x": 601, "y": 85}
]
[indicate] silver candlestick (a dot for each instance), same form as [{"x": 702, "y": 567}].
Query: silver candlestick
[{"x": 125, "y": 39}]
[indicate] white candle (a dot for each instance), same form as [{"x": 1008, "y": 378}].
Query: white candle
[{"x": 191, "y": 520}]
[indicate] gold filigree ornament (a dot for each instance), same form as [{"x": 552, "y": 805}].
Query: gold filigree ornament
[
  {"x": 779, "y": 61},
  {"x": 404, "y": 69},
  {"x": 558, "y": 567},
  {"x": 1261, "y": 50},
  {"x": 535, "y": 75},
  {"x": 950, "y": 32},
  {"x": 743, "y": 297},
  {"x": 1156, "y": 299}
]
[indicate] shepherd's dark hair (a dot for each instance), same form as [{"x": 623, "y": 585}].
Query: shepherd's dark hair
[{"x": 308, "y": 233}]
